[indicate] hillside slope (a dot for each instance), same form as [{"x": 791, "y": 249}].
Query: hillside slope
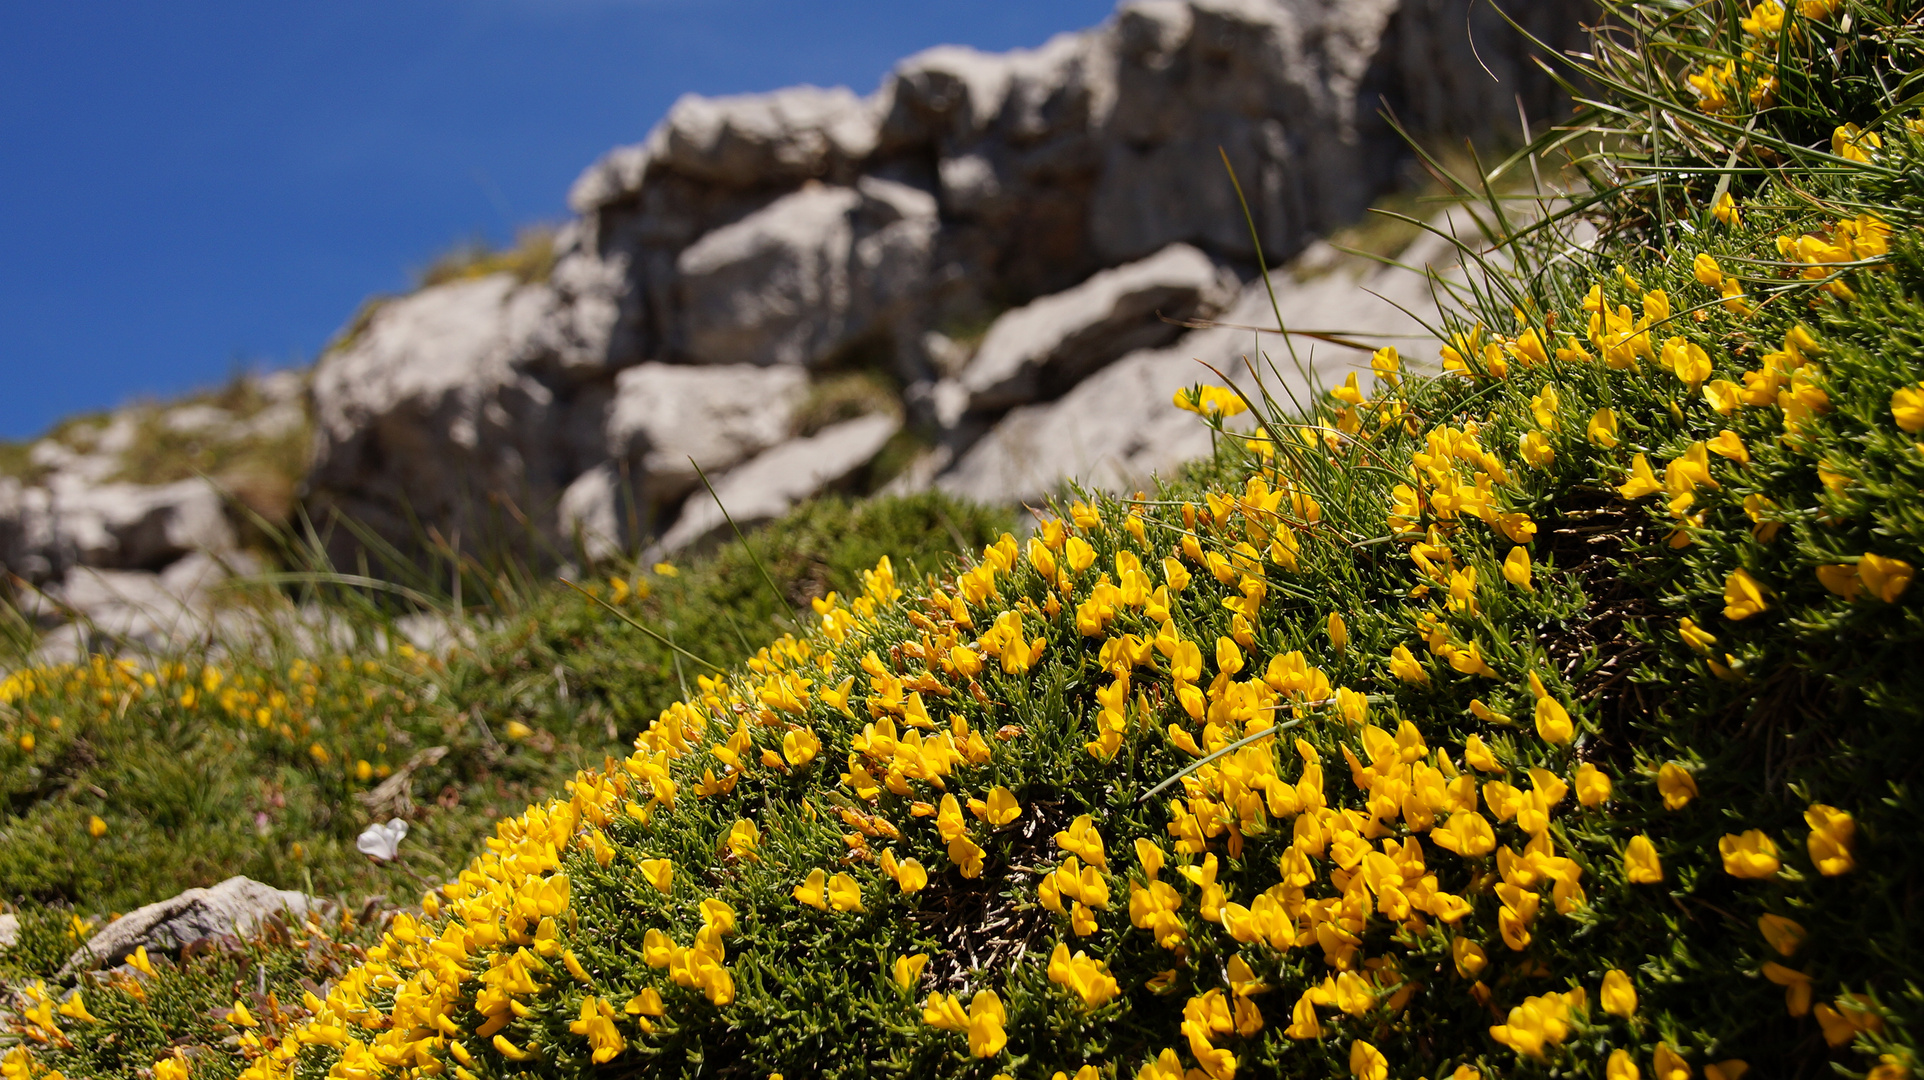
[{"x": 1553, "y": 715}]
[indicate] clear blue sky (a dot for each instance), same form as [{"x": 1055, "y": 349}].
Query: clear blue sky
[{"x": 191, "y": 186}]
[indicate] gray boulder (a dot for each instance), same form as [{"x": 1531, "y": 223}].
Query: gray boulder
[
  {"x": 236, "y": 906},
  {"x": 437, "y": 417},
  {"x": 139, "y": 526},
  {"x": 773, "y": 483},
  {"x": 1117, "y": 429},
  {"x": 748, "y": 140},
  {"x": 806, "y": 276},
  {"x": 663, "y": 415},
  {"x": 1042, "y": 349}
]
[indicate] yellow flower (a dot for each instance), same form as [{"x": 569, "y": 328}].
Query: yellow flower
[
  {"x": 999, "y": 809},
  {"x": 1516, "y": 569},
  {"x": 1668, "y": 1065},
  {"x": 1699, "y": 639},
  {"x": 1640, "y": 863},
  {"x": 1907, "y": 408},
  {"x": 1593, "y": 785},
  {"x": 1727, "y": 444},
  {"x": 1786, "y": 936},
  {"x": 1338, "y": 632},
  {"x": 1676, "y": 785},
  {"x": 1706, "y": 269},
  {"x": 742, "y": 838},
  {"x": 1478, "y": 755},
  {"x": 1885, "y": 578},
  {"x": 844, "y": 894},
  {"x": 812, "y": 889},
  {"x": 945, "y": 1013},
  {"x": 911, "y": 876},
  {"x": 1732, "y": 291},
  {"x": 1642, "y": 480},
  {"x": 239, "y": 1017},
  {"x": 1687, "y": 360},
  {"x": 1366, "y": 1062},
  {"x": 1743, "y": 596},
  {"x": 1385, "y": 364},
  {"x": 667, "y": 569},
  {"x": 967, "y": 856},
  {"x": 173, "y": 1068},
  {"x": 800, "y": 745},
  {"x": 517, "y": 730},
  {"x": 1553, "y": 721},
  {"x": 1619, "y": 995},
  {"x": 1621, "y": 1066},
  {"x": 512, "y": 1052},
  {"x": 140, "y": 962},
  {"x": 96, "y": 827},
  {"x": 597, "y": 1023},
  {"x": 1750, "y": 855},
  {"x": 986, "y": 1017},
  {"x": 1725, "y": 210},
  {"x": 1211, "y": 401},
  {"x": 1832, "y": 832},
  {"x": 660, "y": 873},
  {"x": 76, "y": 1009},
  {"x": 1088, "y": 979},
  {"x": 1854, "y": 143},
  {"x": 1731, "y": 1069},
  {"x": 1404, "y": 666},
  {"x": 1796, "y": 984},
  {"x": 1536, "y": 450},
  {"x": 1602, "y": 430},
  {"x": 1469, "y": 957},
  {"x": 907, "y": 970}
]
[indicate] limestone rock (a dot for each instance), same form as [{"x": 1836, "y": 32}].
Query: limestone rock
[
  {"x": 9, "y": 930},
  {"x": 806, "y": 276},
  {"x": 437, "y": 412},
  {"x": 748, "y": 140},
  {"x": 815, "y": 229},
  {"x": 235, "y": 906},
  {"x": 772, "y": 484},
  {"x": 1117, "y": 428},
  {"x": 664, "y": 414},
  {"x": 139, "y": 526},
  {"x": 1042, "y": 349}
]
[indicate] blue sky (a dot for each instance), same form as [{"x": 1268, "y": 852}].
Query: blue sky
[{"x": 195, "y": 186}]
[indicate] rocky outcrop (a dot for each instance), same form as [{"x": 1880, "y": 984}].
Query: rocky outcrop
[
  {"x": 1118, "y": 428},
  {"x": 1044, "y": 348},
  {"x": 1076, "y": 190},
  {"x": 121, "y": 529},
  {"x": 773, "y": 483},
  {"x": 236, "y": 906}
]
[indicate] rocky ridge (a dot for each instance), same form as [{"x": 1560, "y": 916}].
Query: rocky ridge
[
  {"x": 1007, "y": 250},
  {"x": 1010, "y": 240}
]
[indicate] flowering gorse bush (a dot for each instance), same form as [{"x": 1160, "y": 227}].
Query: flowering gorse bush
[{"x": 1551, "y": 715}]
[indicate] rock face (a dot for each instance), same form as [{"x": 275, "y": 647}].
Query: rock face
[
  {"x": 1069, "y": 200},
  {"x": 235, "y": 906},
  {"x": 1118, "y": 428},
  {"x": 122, "y": 527},
  {"x": 1044, "y": 348},
  {"x": 773, "y": 483}
]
